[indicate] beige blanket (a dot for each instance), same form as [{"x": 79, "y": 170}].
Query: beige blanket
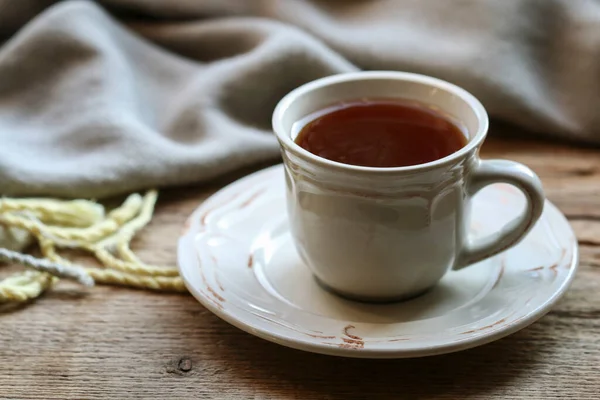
[{"x": 120, "y": 95}]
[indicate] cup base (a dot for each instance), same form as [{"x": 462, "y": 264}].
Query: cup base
[{"x": 370, "y": 299}]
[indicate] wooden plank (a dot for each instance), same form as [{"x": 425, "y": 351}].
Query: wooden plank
[{"x": 113, "y": 343}]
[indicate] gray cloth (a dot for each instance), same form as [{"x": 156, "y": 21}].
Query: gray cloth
[{"x": 100, "y": 99}]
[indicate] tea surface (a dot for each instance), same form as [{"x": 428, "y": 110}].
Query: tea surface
[{"x": 381, "y": 133}]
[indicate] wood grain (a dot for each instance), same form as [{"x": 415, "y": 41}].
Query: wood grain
[{"x": 116, "y": 343}]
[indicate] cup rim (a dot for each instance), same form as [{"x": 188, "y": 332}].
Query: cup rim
[{"x": 287, "y": 143}]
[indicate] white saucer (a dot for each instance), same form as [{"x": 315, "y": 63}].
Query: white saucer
[{"x": 237, "y": 258}]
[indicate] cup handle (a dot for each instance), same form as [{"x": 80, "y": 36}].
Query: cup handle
[{"x": 503, "y": 171}]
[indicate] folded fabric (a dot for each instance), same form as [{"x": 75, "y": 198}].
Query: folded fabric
[{"x": 144, "y": 93}]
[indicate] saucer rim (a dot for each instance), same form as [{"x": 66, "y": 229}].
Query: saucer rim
[{"x": 186, "y": 242}]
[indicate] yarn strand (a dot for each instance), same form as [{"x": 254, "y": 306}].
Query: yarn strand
[
  {"x": 81, "y": 225},
  {"x": 43, "y": 265}
]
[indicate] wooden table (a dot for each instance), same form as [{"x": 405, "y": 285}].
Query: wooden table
[{"x": 116, "y": 343}]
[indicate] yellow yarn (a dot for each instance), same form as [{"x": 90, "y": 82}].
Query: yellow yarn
[
  {"x": 113, "y": 277},
  {"x": 82, "y": 225},
  {"x": 77, "y": 213},
  {"x": 24, "y": 286}
]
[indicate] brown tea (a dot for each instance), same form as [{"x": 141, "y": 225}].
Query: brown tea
[{"x": 381, "y": 133}]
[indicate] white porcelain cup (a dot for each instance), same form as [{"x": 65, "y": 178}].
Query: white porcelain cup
[{"x": 383, "y": 234}]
